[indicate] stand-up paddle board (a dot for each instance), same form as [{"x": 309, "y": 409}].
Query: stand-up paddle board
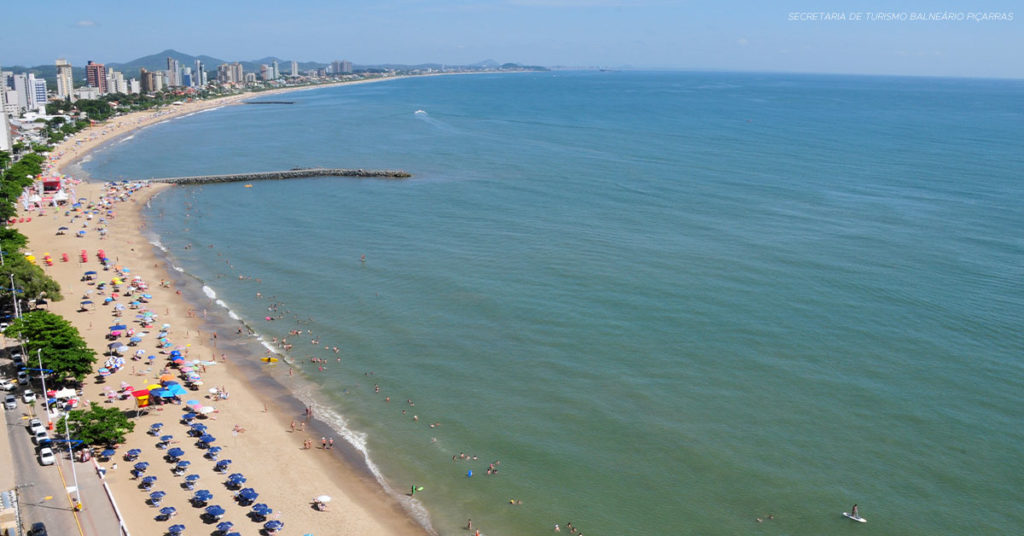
[{"x": 858, "y": 519}]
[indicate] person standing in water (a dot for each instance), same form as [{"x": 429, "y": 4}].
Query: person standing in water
[{"x": 854, "y": 512}]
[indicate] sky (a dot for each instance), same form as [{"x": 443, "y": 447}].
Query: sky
[{"x": 871, "y": 37}]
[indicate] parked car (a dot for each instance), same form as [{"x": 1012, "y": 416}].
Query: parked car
[
  {"x": 22, "y": 377},
  {"x": 19, "y": 361},
  {"x": 39, "y": 437},
  {"x": 46, "y": 456},
  {"x": 38, "y": 529},
  {"x": 8, "y": 385},
  {"x": 10, "y": 402},
  {"x": 28, "y": 396},
  {"x": 35, "y": 425}
]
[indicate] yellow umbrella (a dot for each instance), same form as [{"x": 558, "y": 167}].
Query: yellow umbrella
[{"x": 154, "y": 386}]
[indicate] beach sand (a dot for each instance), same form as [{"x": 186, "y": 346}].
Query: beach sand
[{"x": 268, "y": 452}]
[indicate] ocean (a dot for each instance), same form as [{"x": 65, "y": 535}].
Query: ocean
[{"x": 665, "y": 302}]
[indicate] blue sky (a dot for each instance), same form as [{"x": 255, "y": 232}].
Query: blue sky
[{"x": 677, "y": 34}]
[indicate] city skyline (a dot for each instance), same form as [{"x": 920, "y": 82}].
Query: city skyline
[{"x": 970, "y": 40}]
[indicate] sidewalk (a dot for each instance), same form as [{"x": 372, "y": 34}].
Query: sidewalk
[{"x": 97, "y": 517}]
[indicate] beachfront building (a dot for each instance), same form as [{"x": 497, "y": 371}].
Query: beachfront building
[
  {"x": 96, "y": 76},
  {"x": 116, "y": 82},
  {"x": 5, "y": 128},
  {"x": 230, "y": 73},
  {"x": 250, "y": 78},
  {"x": 173, "y": 78},
  {"x": 199, "y": 74},
  {"x": 65, "y": 79},
  {"x": 295, "y": 68},
  {"x": 346, "y": 67},
  {"x": 91, "y": 93},
  {"x": 277, "y": 72},
  {"x": 134, "y": 87}
]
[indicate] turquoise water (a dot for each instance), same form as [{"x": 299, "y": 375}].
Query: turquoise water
[{"x": 668, "y": 303}]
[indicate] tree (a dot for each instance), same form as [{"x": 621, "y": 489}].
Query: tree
[
  {"x": 29, "y": 279},
  {"x": 98, "y": 425},
  {"x": 63, "y": 349}
]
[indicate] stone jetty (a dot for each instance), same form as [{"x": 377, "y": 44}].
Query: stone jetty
[{"x": 302, "y": 173}]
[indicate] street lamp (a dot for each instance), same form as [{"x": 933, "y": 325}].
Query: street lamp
[
  {"x": 42, "y": 377},
  {"x": 71, "y": 455}
]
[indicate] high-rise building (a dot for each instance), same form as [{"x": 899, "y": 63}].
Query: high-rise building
[
  {"x": 96, "y": 76},
  {"x": 116, "y": 82},
  {"x": 198, "y": 73},
  {"x": 276, "y": 73},
  {"x": 335, "y": 67},
  {"x": 172, "y": 72},
  {"x": 38, "y": 92},
  {"x": 346, "y": 66},
  {"x": 134, "y": 87},
  {"x": 65, "y": 79},
  {"x": 5, "y": 129},
  {"x": 295, "y": 68}
]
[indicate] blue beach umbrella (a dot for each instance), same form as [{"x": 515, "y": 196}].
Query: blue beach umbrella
[
  {"x": 215, "y": 450},
  {"x": 176, "y": 529},
  {"x": 215, "y": 510},
  {"x": 134, "y": 452},
  {"x": 156, "y": 426},
  {"x": 157, "y": 495},
  {"x": 166, "y": 438},
  {"x": 191, "y": 478},
  {"x": 183, "y": 464},
  {"x": 202, "y": 495},
  {"x": 236, "y": 477},
  {"x": 168, "y": 510},
  {"x": 86, "y": 302},
  {"x": 222, "y": 465},
  {"x": 141, "y": 466},
  {"x": 248, "y": 494},
  {"x": 118, "y": 327},
  {"x": 135, "y": 339},
  {"x": 175, "y": 452},
  {"x": 225, "y": 526},
  {"x": 273, "y": 525},
  {"x": 199, "y": 427},
  {"x": 149, "y": 480},
  {"x": 262, "y": 510},
  {"x": 207, "y": 438},
  {"x": 108, "y": 453},
  {"x": 188, "y": 416},
  {"x": 236, "y": 534}
]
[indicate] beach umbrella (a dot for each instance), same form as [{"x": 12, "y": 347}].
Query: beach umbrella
[
  {"x": 157, "y": 495},
  {"x": 274, "y": 525},
  {"x": 262, "y": 510},
  {"x": 104, "y": 371},
  {"x": 199, "y": 427},
  {"x": 214, "y": 450},
  {"x": 175, "y": 452},
  {"x": 135, "y": 339},
  {"x": 166, "y": 377},
  {"x": 166, "y": 438},
  {"x": 191, "y": 478},
  {"x": 206, "y": 410},
  {"x": 324, "y": 498},
  {"x": 152, "y": 357},
  {"x": 156, "y": 426},
  {"x": 108, "y": 453},
  {"x": 222, "y": 465},
  {"x": 207, "y": 438},
  {"x": 188, "y": 416},
  {"x": 193, "y": 402},
  {"x": 225, "y": 526},
  {"x": 236, "y": 477},
  {"x": 132, "y": 453},
  {"x": 202, "y": 495},
  {"x": 215, "y": 510},
  {"x": 148, "y": 479},
  {"x": 248, "y": 494},
  {"x": 86, "y": 302},
  {"x": 240, "y": 534},
  {"x": 183, "y": 464},
  {"x": 168, "y": 511},
  {"x": 118, "y": 327},
  {"x": 141, "y": 466},
  {"x": 176, "y": 529}
]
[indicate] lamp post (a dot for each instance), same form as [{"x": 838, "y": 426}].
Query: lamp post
[
  {"x": 42, "y": 377},
  {"x": 71, "y": 454}
]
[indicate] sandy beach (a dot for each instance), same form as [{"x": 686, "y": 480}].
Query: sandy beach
[{"x": 253, "y": 428}]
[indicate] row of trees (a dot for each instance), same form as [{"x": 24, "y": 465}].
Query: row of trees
[{"x": 58, "y": 344}]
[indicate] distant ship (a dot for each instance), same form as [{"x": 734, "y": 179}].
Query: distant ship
[{"x": 420, "y": 112}]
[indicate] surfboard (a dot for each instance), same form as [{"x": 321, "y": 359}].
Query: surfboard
[
  {"x": 855, "y": 518},
  {"x": 268, "y": 359}
]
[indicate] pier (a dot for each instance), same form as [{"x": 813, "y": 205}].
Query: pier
[{"x": 303, "y": 173}]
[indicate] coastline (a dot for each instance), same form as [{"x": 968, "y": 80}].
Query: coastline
[{"x": 269, "y": 453}]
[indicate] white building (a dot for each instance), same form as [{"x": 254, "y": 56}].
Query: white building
[
  {"x": 295, "y": 68},
  {"x": 134, "y": 87},
  {"x": 39, "y": 99},
  {"x": 65, "y": 80},
  {"x": 87, "y": 92}
]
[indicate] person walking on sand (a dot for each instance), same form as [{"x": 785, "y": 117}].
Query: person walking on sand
[{"x": 330, "y": 443}]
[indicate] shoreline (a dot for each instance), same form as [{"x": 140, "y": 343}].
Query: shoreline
[{"x": 361, "y": 503}]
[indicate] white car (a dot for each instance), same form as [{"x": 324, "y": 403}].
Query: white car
[
  {"x": 7, "y": 385},
  {"x": 22, "y": 377},
  {"x": 10, "y": 402},
  {"x": 39, "y": 437},
  {"x": 46, "y": 456},
  {"x": 35, "y": 425},
  {"x": 28, "y": 396}
]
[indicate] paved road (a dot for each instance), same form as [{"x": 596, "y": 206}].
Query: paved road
[{"x": 41, "y": 489}]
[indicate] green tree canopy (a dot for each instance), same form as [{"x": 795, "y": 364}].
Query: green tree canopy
[
  {"x": 63, "y": 349},
  {"x": 98, "y": 425},
  {"x": 29, "y": 278}
]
